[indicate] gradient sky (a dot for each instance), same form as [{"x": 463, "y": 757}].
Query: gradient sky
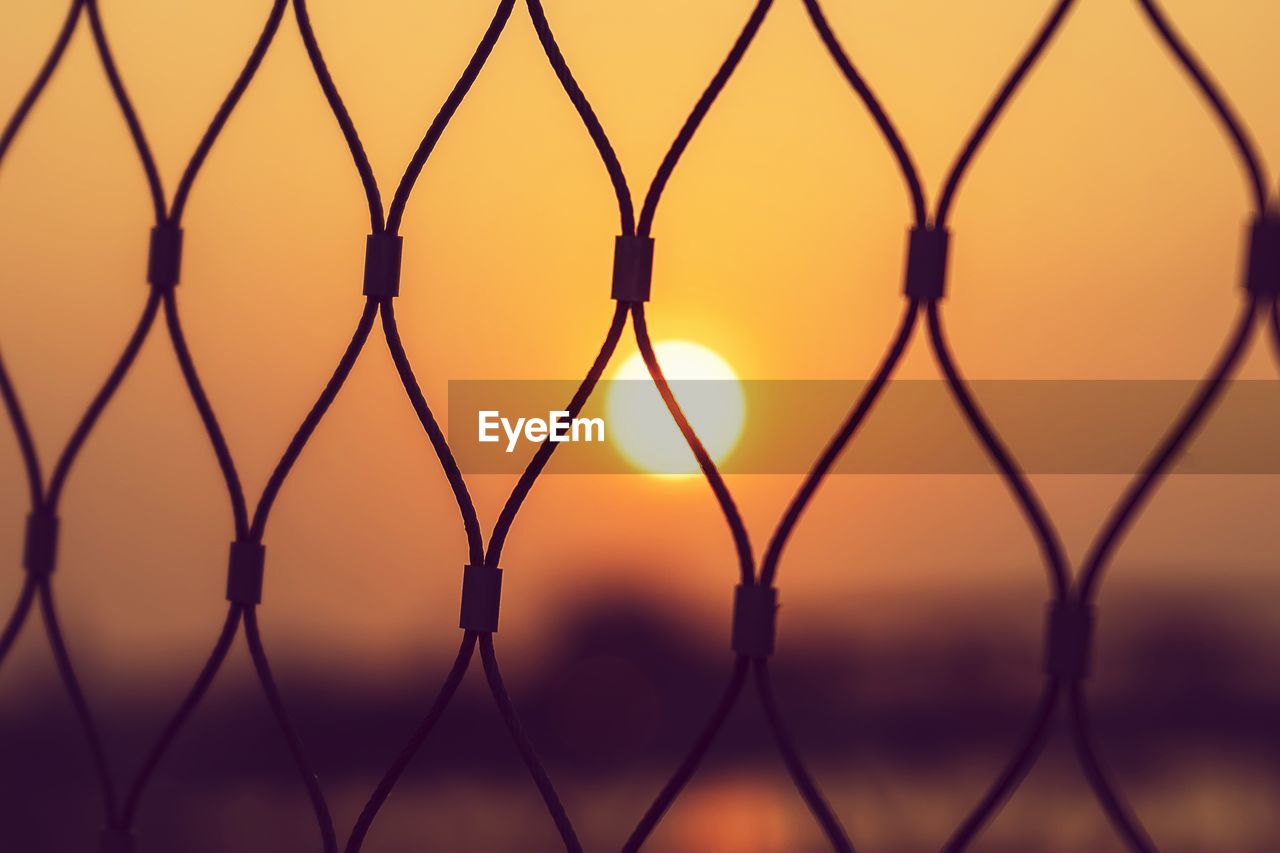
[{"x": 1098, "y": 236}]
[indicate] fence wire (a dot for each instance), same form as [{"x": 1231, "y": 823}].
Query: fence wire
[{"x": 1070, "y": 615}]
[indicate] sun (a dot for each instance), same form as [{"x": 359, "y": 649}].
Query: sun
[{"x": 705, "y": 386}]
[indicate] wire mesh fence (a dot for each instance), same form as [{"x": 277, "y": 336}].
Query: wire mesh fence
[{"x": 1070, "y": 614}]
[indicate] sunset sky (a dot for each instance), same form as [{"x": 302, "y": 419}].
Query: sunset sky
[{"x": 1098, "y": 236}]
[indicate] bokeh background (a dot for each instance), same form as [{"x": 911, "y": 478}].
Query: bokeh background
[{"x": 1099, "y": 236}]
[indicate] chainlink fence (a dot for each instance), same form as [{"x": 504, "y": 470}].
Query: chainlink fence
[{"x": 1070, "y": 612}]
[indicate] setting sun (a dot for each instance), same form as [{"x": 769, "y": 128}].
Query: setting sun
[{"x": 707, "y": 389}]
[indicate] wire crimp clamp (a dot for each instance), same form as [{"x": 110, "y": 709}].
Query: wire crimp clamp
[
  {"x": 755, "y": 620},
  {"x": 632, "y": 268},
  {"x": 928, "y": 253},
  {"x": 1262, "y": 275},
  {"x": 164, "y": 257},
  {"x": 382, "y": 254},
  {"x": 1069, "y": 642},
  {"x": 40, "y": 548},
  {"x": 481, "y": 599},
  {"x": 245, "y": 569}
]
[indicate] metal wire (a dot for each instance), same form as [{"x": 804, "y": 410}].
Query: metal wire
[
  {"x": 1065, "y": 591},
  {"x": 1075, "y": 591}
]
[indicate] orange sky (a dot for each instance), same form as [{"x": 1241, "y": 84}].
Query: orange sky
[{"x": 1098, "y": 236}]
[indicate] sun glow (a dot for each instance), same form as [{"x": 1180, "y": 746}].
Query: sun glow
[{"x": 708, "y": 391}]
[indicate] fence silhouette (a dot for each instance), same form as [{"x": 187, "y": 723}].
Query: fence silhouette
[{"x": 1070, "y": 613}]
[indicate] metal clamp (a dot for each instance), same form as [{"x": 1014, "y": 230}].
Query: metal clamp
[
  {"x": 632, "y": 268},
  {"x": 1262, "y": 272},
  {"x": 481, "y": 599},
  {"x": 755, "y": 620},
  {"x": 382, "y": 254},
  {"x": 928, "y": 252},
  {"x": 40, "y": 549},
  {"x": 164, "y": 258},
  {"x": 1069, "y": 643},
  {"x": 245, "y": 571}
]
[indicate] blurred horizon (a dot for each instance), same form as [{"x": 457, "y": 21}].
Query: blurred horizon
[{"x": 912, "y": 727}]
